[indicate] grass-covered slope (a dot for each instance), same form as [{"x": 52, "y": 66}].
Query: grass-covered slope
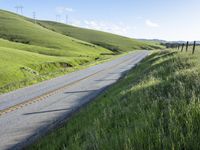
[
  {"x": 30, "y": 53},
  {"x": 106, "y": 40},
  {"x": 19, "y": 29},
  {"x": 155, "y": 106},
  {"x": 14, "y": 64},
  {"x": 22, "y": 64}
]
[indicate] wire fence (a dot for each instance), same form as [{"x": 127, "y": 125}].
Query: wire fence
[{"x": 187, "y": 46}]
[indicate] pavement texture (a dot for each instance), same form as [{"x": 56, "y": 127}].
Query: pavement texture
[{"x": 28, "y": 113}]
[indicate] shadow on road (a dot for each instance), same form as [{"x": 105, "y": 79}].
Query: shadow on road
[
  {"x": 75, "y": 92},
  {"x": 106, "y": 80},
  {"x": 41, "y": 112}
]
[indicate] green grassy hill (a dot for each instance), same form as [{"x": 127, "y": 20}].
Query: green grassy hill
[
  {"x": 22, "y": 64},
  {"x": 107, "y": 40},
  {"x": 31, "y": 52},
  {"x": 18, "y": 29},
  {"x": 15, "y": 64},
  {"x": 155, "y": 106}
]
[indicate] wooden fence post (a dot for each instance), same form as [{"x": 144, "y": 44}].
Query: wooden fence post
[
  {"x": 194, "y": 46},
  {"x": 187, "y": 44},
  {"x": 182, "y": 47}
]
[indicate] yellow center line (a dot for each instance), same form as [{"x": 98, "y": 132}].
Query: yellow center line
[{"x": 51, "y": 93}]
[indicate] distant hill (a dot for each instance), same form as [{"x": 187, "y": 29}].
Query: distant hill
[
  {"x": 107, "y": 40},
  {"x": 164, "y": 41},
  {"x": 154, "y": 40},
  {"x": 19, "y": 29}
]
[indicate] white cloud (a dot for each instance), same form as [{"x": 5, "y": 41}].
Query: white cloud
[
  {"x": 119, "y": 28},
  {"x": 62, "y": 9},
  {"x": 151, "y": 24}
]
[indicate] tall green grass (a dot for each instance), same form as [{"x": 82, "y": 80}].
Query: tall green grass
[{"x": 155, "y": 106}]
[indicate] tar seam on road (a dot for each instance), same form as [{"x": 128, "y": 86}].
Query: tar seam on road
[{"x": 51, "y": 93}]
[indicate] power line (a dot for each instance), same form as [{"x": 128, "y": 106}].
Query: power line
[{"x": 17, "y": 9}]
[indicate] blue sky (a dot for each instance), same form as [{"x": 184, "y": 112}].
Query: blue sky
[{"x": 153, "y": 19}]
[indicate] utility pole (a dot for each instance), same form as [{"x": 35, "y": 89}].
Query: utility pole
[
  {"x": 19, "y": 8},
  {"x": 67, "y": 19},
  {"x": 57, "y": 18},
  {"x": 34, "y": 17}
]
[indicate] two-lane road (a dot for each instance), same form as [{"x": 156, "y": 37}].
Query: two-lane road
[{"x": 28, "y": 113}]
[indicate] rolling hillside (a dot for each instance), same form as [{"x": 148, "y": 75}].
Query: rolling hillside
[
  {"x": 23, "y": 64},
  {"x": 107, "y": 40},
  {"x": 30, "y": 53},
  {"x": 18, "y": 29}
]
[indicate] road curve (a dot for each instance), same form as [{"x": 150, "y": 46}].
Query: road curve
[{"x": 28, "y": 113}]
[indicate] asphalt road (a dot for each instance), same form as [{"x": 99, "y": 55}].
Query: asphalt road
[{"x": 30, "y": 112}]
